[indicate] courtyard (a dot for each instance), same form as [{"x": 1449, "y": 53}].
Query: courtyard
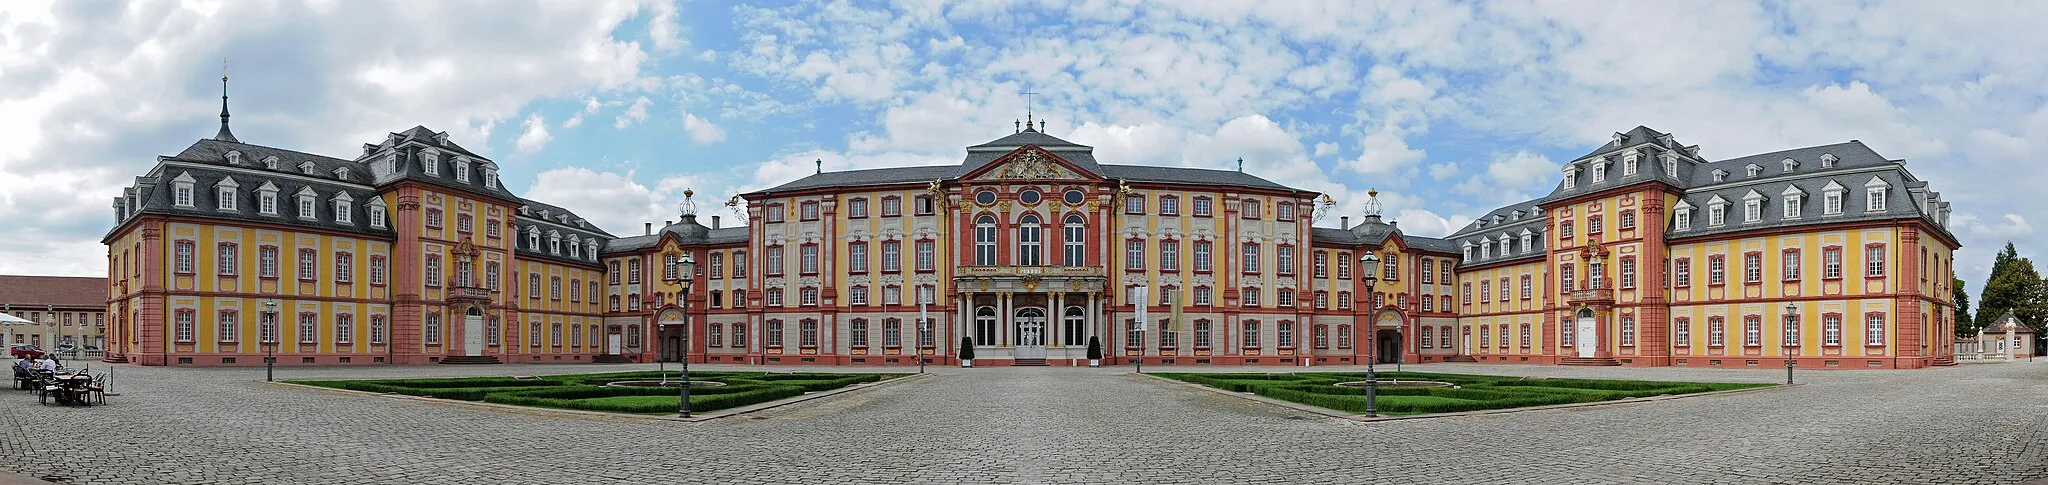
[{"x": 1961, "y": 424}]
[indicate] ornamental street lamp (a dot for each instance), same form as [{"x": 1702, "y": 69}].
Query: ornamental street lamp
[
  {"x": 270, "y": 344},
  {"x": 685, "y": 274},
  {"x": 1791, "y": 347},
  {"x": 1370, "y": 264}
]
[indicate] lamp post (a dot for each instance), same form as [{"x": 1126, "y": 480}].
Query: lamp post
[
  {"x": 1791, "y": 347},
  {"x": 270, "y": 344},
  {"x": 1370, "y": 264},
  {"x": 686, "y": 274}
]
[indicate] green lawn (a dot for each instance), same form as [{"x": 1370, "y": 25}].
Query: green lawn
[
  {"x": 588, "y": 391},
  {"x": 1473, "y": 392}
]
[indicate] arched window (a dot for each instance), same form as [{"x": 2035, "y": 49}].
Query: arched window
[
  {"x": 1030, "y": 241},
  {"x": 985, "y": 326},
  {"x": 1075, "y": 329},
  {"x": 985, "y": 240},
  {"x": 1072, "y": 240}
]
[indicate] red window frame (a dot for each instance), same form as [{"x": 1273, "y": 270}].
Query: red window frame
[
  {"x": 1790, "y": 274},
  {"x": 1202, "y": 207}
]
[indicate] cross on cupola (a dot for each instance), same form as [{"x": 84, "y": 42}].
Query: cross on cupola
[
  {"x": 1027, "y": 115},
  {"x": 224, "y": 134}
]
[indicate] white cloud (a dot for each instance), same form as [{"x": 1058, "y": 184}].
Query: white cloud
[
  {"x": 1442, "y": 171},
  {"x": 613, "y": 201},
  {"x": 702, "y": 130},
  {"x": 536, "y": 135},
  {"x": 634, "y": 114},
  {"x": 590, "y": 105}
]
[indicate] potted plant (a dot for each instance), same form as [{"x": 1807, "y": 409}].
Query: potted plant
[
  {"x": 1094, "y": 351},
  {"x": 967, "y": 351}
]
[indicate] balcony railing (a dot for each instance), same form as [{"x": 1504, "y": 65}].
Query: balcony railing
[
  {"x": 1593, "y": 291},
  {"x": 1029, "y": 270},
  {"x": 469, "y": 292}
]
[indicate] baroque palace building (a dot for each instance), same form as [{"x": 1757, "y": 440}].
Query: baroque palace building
[{"x": 412, "y": 252}]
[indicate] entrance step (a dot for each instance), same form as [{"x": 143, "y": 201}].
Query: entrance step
[
  {"x": 1022, "y": 362},
  {"x": 115, "y": 359},
  {"x": 1946, "y": 360},
  {"x": 1460, "y": 358},
  {"x": 1589, "y": 361},
  {"x": 470, "y": 359},
  {"x": 611, "y": 359}
]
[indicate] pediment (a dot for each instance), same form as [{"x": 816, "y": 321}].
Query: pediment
[{"x": 1030, "y": 163}]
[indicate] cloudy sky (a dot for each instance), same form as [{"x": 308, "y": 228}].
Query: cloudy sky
[{"x": 613, "y": 109}]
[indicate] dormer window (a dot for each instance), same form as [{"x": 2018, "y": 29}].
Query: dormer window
[
  {"x": 224, "y": 194},
  {"x": 1527, "y": 238},
  {"x": 234, "y": 157},
  {"x": 306, "y": 206},
  {"x": 1831, "y": 199},
  {"x": 344, "y": 208},
  {"x": 1874, "y": 195},
  {"x": 270, "y": 162},
  {"x": 1468, "y": 250},
  {"x": 592, "y": 253},
  {"x": 1600, "y": 171},
  {"x": 1755, "y": 169},
  {"x": 461, "y": 170},
  {"x": 1720, "y": 175},
  {"x": 533, "y": 238},
  {"x": 1792, "y": 198},
  {"x": 1670, "y": 165},
  {"x": 430, "y": 163},
  {"x": 575, "y": 247},
  {"x": 266, "y": 199},
  {"x": 181, "y": 190},
  {"x": 1827, "y": 160},
  {"x": 306, "y": 168},
  {"x": 554, "y": 242},
  {"x": 377, "y": 213},
  {"x": 490, "y": 178},
  {"x": 1683, "y": 220},
  {"x": 1789, "y": 164},
  {"x": 1753, "y": 207},
  {"x": 341, "y": 173},
  {"x": 1571, "y": 177},
  {"x": 1717, "y": 212},
  {"x": 1628, "y": 163}
]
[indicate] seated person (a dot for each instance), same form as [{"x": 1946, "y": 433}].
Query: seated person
[{"x": 49, "y": 365}]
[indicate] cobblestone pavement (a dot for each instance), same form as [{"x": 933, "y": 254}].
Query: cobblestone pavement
[{"x": 1965, "y": 424}]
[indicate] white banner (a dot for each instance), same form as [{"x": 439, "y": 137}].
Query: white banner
[{"x": 1138, "y": 296}]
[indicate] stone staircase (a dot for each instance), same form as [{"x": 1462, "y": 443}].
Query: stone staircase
[
  {"x": 470, "y": 359},
  {"x": 1589, "y": 361},
  {"x": 1028, "y": 362}
]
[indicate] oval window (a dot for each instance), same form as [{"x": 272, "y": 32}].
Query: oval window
[
  {"x": 985, "y": 197},
  {"x": 1075, "y": 196},
  {"x": 1029, "y": 196}
]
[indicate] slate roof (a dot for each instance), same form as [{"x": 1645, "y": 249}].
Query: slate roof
[
  {"x": 1373, "y": 232},
  {"x": 1488, "y": 229},
  {"x": 24, "y": 292},
  {"x": 688, "y": 231},
  {"x": 980, "y": 155}
]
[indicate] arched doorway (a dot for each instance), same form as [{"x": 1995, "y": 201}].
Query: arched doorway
[
  {"x": 985, "y": 326},
  {"x": 674, "y": 335},
  {"x": 1030, "y": 333},
  {"x": 1588, "y": 338},
  {"x": 473, "y": 331},
  {"x": 1387, "y": 348}
]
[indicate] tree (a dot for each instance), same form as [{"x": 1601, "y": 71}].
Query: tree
[
  {"x": 1965, "y": 326},
  {"x": 2018, "y": 288},
  {"x": 966, "y": 348},
  {"x": 1999, "y": 265}
]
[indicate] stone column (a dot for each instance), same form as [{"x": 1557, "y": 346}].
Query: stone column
[{"x": 1002, "y": 318}]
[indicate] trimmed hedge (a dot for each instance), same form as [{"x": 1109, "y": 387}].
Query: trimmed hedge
[
  {"x": 589, "y": 392},
  {"x": 1474, "y": 392}
]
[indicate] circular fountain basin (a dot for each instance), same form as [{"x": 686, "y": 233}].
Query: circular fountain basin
[
  {"x": 646, "y": 383},
  {"x": 1399, "y": 383}
]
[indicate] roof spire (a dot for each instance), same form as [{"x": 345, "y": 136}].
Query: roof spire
[
  {"x": 1240, "y": 164},
  {"x": 1027, "y": 110},
  {"x": 1372, "y": 205},
  {"x": 224, "y": 134},
  {"x": 689, "y": 207},
  {"x": 821, "y": 165}
]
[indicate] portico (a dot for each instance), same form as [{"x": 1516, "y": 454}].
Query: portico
[{"x": 1030, "y": 313}]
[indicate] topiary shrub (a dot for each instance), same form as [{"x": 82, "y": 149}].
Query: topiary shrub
[
  {"x": 1094, "y": 348},
  {"x": 966, "y": 348}
]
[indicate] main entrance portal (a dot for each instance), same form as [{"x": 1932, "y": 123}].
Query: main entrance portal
[
  {"x": 1030, "y": 333},
  {"x": 1588, "y": 338},
  {"x": 473, "y": 332}
]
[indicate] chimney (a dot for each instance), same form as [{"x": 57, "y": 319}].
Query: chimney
[
  {"x": 1396, "y": 224},
  {"x": 714, "y": 222},
  {"x": 649, "y": 227},
  {"x": 1344, "y": 221},
  {"x": 665, "y": 224}
]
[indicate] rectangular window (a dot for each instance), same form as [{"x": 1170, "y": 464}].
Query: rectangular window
[
  {"x": 433, "y": 269},
  {"x": 1251, "y": 257},
  {"x": 1791, "y": 265},
  {"x": 309, "y": 328},
  {"x": 464, "y": 224},
  {"x": 858, "y": 334},
  {"x": 1204, "y": 296},
  {"x": 376, "y": 329},
  {"x": 857, "y": 208},
  {"x": 1322, "y": 266},
  {"x": 1792, "y": 206},
  {"x": 185, "y": 326},
  {"x": 184, "y": 257},
  {"x": 714, "y": 334},
  {"x": 1717, "y": 214},
  {"x": 1134, "y": 204},
  {"x": 1681, "y": 332},
  {"x": 774, "y": 260},
  {"x": 266, "y": 264},
  {"x": 856, "y": 257},
  {"x": 718, "y": 264},
  {"x": 1717, "y": 331},
  {"x": 808, "y": 255},
  {"x": 1717, "y": 270},
  {"x": 1251, "y": 297},
  {"x": 344, "y": 267},
  {"x": 1681, "y": 273},
  {"x": 433, "y": 215},
  {"x": 1169, "y": 255},
  {"x": 808, "y": 211},
  {"x": 1283, "y": 257},
  {"x": 773, "y": 213},
  {"x": 807, "y": 333},
  {"x": 307, "y": 258},
  {"x": 1284, "y": 335},
  {"x": 1202, "y": 259},
  {"x": 1876, "y": 200},
  {"x": 1528, "y": 287},
  {"x": 1873, "y": 261},
  {"x": 225, "y": 259},
  {"x": 1134, "y": 255},
  {"x": 892, "y": 332},
  {"x": 1203, "y": 207},
  {"x": 891, "y": 207},
  {"x": 1831, "y": 329},
  {"x": 1752, "y": 331},
  {"x": 926, "y": 206},
  {"x": 1628, "y": 331},
  {"x": 1831, "y": 263},
  {"x": 1344, "y": 267},
  {"x": 1169, "y": 206},
  {"x": 1873, "y": 329},
  {"x": 927, "y": 260},
  {"x": 1283, "y": 212},
  {"x": 1251, "y": 334},
  {"x": 1752, "y": 268},
  {"x": 892, "y": 256},
  {"x": 344, "y": 328}
]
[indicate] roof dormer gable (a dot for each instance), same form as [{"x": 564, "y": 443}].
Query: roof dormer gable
[
  {"x": 341, "y": 173},
  {"x": 1753, "y": 195},
  {"x": 234, "y": 157},
  {"x": 227, "y": 182},
  {"x": 1827, "y": 160},
  {"x": 375, "y": 202},
  {"x": 1789, "y": 164},
  {"x": 1876, "y": 182},
  {"x": 1683, "y": 205},
  {"x": 1834, "y": 186},
  {"x": 1720, "y": 175},
  {"x": 307, "y": 191},
  {"x": 1753, "y": 169},
  {"x": 306, "y": 168},
  {"x": 1792, "y": 190},
  {"x": 1717, "y": 200},
  {"x": 267, "y": 187}
]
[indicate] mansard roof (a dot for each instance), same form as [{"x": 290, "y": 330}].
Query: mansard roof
[
  {"x": 687, "y": 231},
  {"x": 981, "y": 155}
]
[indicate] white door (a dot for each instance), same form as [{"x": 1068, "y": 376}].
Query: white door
[
  {"x": 1588, "y": 338},
  {"x": 473, "y": 335},
  {"x": 1030, "y": 334},
  {"x": 613, "y": 345}
]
